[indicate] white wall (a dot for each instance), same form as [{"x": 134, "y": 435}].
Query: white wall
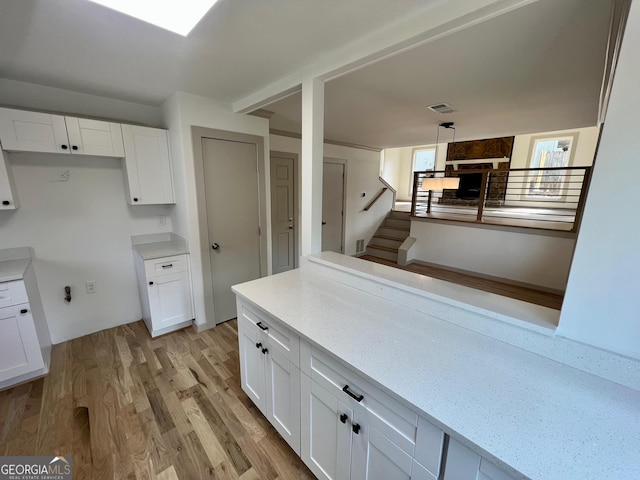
[
  {"x": 363, "y": 171},
  {"x": 602, "y": 300},
  {"x": 534, "y": 259},
  {"x": 398, "y": 168},
  {"x": 180, "y": 113},
  {"x": 80, "y": 229},
  {"x": 39, "y": 97}
]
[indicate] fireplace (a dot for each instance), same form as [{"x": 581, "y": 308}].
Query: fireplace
[{"x": 470, "y": 184}]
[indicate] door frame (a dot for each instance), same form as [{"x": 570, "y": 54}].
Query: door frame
[
  {"x": 344, "y": 162},
  {"x": 197, "y": 135},
  {"x": 296, "y": 194}
]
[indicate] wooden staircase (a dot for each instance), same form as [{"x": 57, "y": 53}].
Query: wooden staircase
[{"x": 393, "y": 230}]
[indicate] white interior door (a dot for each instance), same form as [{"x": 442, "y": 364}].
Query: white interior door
[
  {"x": 283, "y": 228},
  {"x": 333, "y": 207},
  {"x": 231, "y": 189}
]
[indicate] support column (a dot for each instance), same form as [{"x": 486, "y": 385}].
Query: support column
[{"x": 311, "y": 165}]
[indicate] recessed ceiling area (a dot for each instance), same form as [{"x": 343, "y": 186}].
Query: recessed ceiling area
[{"x": 537, "y": 68}]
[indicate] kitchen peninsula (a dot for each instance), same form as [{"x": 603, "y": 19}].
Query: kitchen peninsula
[{"x": 490, "y": 387}]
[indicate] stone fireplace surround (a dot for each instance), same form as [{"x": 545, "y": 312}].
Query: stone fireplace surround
[{"x": 493, "y": 153}]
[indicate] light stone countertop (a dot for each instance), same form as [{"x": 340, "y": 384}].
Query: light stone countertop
[
  {"x": 13, "y": 263},
  {"x": 535, "y": 417},
  {"x": 160, "y": 245}
]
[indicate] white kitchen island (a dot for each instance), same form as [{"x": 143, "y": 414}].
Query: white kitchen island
[{"x": 500, "y": 401}]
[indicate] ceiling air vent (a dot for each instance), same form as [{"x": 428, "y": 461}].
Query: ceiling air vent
[{"x": 441, "y": 108}]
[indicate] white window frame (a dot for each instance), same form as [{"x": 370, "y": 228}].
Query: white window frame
[
  {"x": 414, "y": 153},
  {"x": 526, "y": 192}
]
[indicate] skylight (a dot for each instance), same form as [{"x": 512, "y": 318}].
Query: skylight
[{"x": 176, "y": 16}]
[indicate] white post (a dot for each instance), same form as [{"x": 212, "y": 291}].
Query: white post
[{"x": 311, "y": 165}]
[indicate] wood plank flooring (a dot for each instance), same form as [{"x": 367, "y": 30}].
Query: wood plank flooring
[
  {"x": 505, "y": 289},
  {"x": 127, "y": 406}
]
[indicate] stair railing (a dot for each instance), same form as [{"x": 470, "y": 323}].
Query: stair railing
[{"x": 380, "y": 193}]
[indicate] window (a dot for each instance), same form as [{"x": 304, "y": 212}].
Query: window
[
  {"x": 549, "y": 153},
  {"x": 424, "y": 159}
]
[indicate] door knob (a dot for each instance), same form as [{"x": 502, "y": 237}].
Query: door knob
[
  {"x": 290, "y": 227},
  {"x": 215, "y": 246},
  {"x": 324, "y": 223}
]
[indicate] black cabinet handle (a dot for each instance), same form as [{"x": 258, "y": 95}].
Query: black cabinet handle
[
  {"x": 170, "y": 265},
  {"x": 135, "y": 199},
  {"x": 344, "y": 418},
  {"x": 265, "y": 351},
  {"x": 150, "y": 283},
  {"x": 357, "y": 398},
  {"x": 356, "y": 428},
  {"x": 262, "y": 327},
  {"x": 23, "y": 311},
  {"x": 75, "y": 147},
  {"x": 258, "y": 345},
  {"x": 6, "y": 202},
  {"x": 64, "y": 147}
]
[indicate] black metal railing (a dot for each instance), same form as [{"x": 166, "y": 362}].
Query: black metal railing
[{"x": 548, "y": 198}]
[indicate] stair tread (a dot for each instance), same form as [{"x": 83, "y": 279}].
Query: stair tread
[
  {"x": 386, "y": 237},
  {"x": 382, "y": 247},
  {"x": 393, "y": 227}
]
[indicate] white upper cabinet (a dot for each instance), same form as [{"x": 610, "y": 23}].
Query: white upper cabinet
[
  {"x": 147, "y": 166},
  {"x": 8, "y": 197},
  {"x": 22, "y": 130},
  {"x": 94, "y": 137}
]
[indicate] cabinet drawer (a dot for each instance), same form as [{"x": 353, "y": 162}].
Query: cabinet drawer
[
  {"x": 280, "y": 337},
  {"x": 164, "y": 265},
  {"x": 387, "y": 414},
  {"x": 13, "y": 293}
]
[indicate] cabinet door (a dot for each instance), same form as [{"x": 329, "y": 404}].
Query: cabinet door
[
  {"x": 8, "y": 197},
  {"x": 147, "y": 165},
  {"x": 252, "y": 363},
  {"x": 283, "y": 396},
  {"x": 93, "y": 137},
  {"x": 19, "y": 347},
  {"x": 325, "y": 443},
  {"x": 33, "y": 131},
  {"x": 375, "y": 457},
  {"x": 169, "y": 300}
]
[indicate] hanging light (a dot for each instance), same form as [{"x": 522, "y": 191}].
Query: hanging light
[{"x": 440, "y": 183}]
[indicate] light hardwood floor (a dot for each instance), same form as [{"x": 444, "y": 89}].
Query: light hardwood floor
[
  {"x": 526, "y": 294},
  {"x": 126, "y": 406}
]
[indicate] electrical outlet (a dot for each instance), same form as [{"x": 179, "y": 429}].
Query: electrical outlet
[
  {"x": 91, "y": 286},
  {"x": 162, "y": 220}
]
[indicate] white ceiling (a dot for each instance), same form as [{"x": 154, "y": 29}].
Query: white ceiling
[
  {"x": 534, "y": 69},
  {"x": 240, "y": 46}
]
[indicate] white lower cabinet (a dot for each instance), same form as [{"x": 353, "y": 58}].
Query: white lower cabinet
[
  {"x": 268, "y": 375},
  {"x": 342, "y": 426},
  {"x": 327, "y": 431},
  {"x": 464, "y": 464},
  {"x": 165, "y": 293},
  {"x": 25, "y": 345},
  {"x": 19, "y": 346}
]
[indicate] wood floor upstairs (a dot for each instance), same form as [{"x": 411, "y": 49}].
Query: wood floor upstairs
[{"x": 126, "y": 406}]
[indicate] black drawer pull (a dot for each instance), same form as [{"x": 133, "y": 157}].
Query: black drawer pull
[
  {"x": 357, "y": 398},
  {"x": 262, "y": 327},
  {"x": 265, "y": 351},
  {"x": 6, "y": 202},
  {"x": 23, "y": 311},
  {"x": 356, "y": 428},
  {"x": 258, "y": 345},
  {"x": 170, "y": 265},
  {"x": 344, "y": 418}
]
